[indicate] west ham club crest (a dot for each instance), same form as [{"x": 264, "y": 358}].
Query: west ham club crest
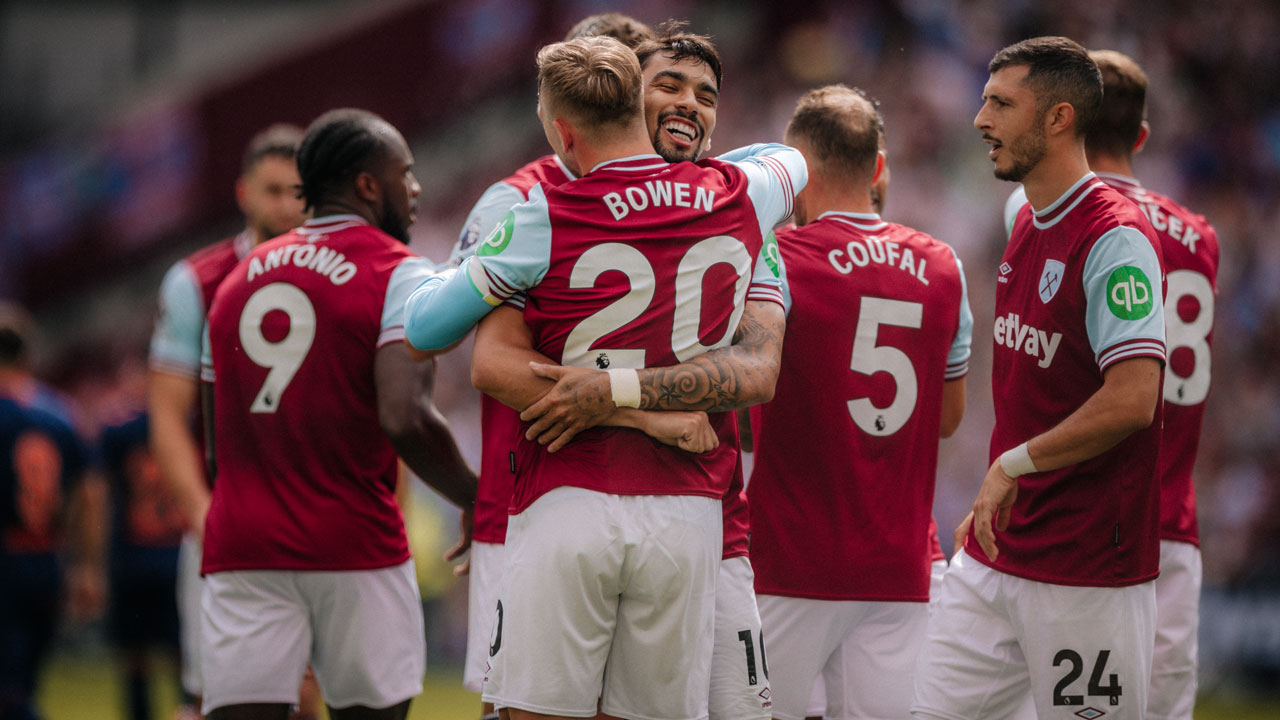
[{"x": 1051, "y": 279}]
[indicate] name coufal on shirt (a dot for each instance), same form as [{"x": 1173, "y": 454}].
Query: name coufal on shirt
[
  {"x": 882, "y": 252},
  {"x": 329, "y": 263},
  {"x": 659, "y": 193}
]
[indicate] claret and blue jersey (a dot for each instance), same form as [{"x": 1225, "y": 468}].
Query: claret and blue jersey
[
  {"x": 1079, "y": 288},
  {"x": 641, "y": 263}
]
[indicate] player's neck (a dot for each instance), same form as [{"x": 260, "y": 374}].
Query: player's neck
[
  {"x": 343, "y": 207},
  {"x": 591, "y": 156},
  {"x": 1054, "y": 175},
  {"x": 820, "y": 197},
  {"x": 1111, "y": 164}
]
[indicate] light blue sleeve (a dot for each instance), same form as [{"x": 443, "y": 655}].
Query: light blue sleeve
[
  {"x": 1124, "y": 300},
  {"x": 175, "y": 341},
  {"x": 1016, "y": 200},
  {"x": 775, "y": 175},
  {"x": 769, "y": 278},
  {"x": 958, "y": 355},
  {"x": 489, "y": 210},
  {"x": 407, "y": 276},
  {"x": 514, "y": 257}
]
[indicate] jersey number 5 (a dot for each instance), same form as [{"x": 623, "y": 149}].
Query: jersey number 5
[
  {"x": 870, "y": 358},
  {"x": 282, "y": 357}
]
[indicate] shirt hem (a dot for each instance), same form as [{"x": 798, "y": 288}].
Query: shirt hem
[
  {"x": 495, "y": 538},
  {"x": 301, "y": 567},
  {"x": 1071, "y": 582},
  {"x": 1180, "y": 537},
  {"x": 841, "y": 597},
  {"x": 517, "y": 509}
]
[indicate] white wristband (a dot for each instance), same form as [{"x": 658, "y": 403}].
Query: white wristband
[
  {"x": 1017, "y": 461},
  {"x": 625, "y": 386}
]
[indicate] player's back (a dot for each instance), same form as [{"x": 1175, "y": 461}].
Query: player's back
[
  {"x": 305, "y": 472},
  {"x": 1190, "y": 248},
  {"x": 847, "y": 449},
  {"x": 647, "y": 264}
]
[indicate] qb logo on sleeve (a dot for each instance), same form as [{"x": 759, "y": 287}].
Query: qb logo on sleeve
[
  {"x": 1129, "y": 293},
  {"x": 498, "y": 238}
]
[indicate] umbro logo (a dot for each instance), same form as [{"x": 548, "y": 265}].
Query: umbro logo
[{"x": 1005, "y": 270}]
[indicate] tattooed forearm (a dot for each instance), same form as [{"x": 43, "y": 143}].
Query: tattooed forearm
[{"x": 737, "y": 376}]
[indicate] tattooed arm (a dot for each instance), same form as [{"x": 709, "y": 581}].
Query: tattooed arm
[
  {"x": 727, "y": 378},
  {"x": 737, "y": 376}
]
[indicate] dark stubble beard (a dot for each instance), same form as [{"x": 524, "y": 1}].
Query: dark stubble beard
[
  {"x": 389, "y": 223},
  {"x": 672, "y": 155},
  {"x": 1027, "y": 151}
]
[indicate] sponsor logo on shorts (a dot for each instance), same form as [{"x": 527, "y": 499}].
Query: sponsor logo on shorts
[
  {"x": 498, "y": 238},
  {"x": 1090, "y": 713},
  {"x": 1129, "y": 293}
]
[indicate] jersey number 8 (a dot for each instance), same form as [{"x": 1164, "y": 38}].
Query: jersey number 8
[{"x": 1193, "y": 389}]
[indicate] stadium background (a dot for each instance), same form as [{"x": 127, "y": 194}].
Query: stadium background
[{"x": 124, "y": 123}]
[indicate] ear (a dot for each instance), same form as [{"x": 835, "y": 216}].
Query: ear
[
  {"x": 1144, "y": 134},
  {"x": 881, "y": 164},
  {"x": 368, "y": 189},
  {"x": 568, "y": 134},
  {"x": 1060, "y": 118}
]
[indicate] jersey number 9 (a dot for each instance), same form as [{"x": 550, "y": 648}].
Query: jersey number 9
[{"x": 282, "y": 357}]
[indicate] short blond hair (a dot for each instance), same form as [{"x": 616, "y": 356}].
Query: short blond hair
[{"x": 594, "y": 80}]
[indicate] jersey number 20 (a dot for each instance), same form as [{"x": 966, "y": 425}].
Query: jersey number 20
[
  {"x": 685, "y": 340},
  {"x": 281, "y": 357}
]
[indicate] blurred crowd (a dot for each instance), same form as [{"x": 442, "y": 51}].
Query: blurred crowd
[{"x": 1214, "y": 110}]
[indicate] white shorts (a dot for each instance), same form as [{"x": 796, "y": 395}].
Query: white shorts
[
  {"x": 739, "y": 673},
  {"x": 865, "y": 653},
  {"x": 1174, "y": 666},
  {"x": 483, "y": 582},
  {"x": 189, "y": 588},
  {"x": 818, "y": 698},
  {"x": 1084, "y": 652},
  {"x": 362, "y": 631},
  {"x": 593, "y": 579}
]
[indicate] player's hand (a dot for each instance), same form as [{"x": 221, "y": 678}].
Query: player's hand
[
  {"x": 962, "y": 532},
  {"x": 689, "y": 431},
  {"x": 581, "y": 399},
  {"x": 995, "y": 498},
  {"x": 465, "y": 523}
]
